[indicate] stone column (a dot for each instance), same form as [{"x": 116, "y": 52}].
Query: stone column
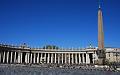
[
  {"x": 72, "y": 59},
  {"x": 58, "y": 58},
  {"x": 38, "y": 58},
  {"x": 51, "y": 57},
  {"x": 26, "y": 58},
  {"x": 62, "y": 58},
  {"x": 69, "y": 58},
  {"x": 0, "y": 57},
  {"x": 4, "y": 57},
  {"x": 34, "y": 57},
  {"x": 15, "y": 58},
  {"x": 11, "y": 57},
  {"x": 31, "y": 58},
  {"x": 21, "y": 57},
  {"x": 48, "y": 58},
  {"x": 18, "y": 57},
  {"x": 79, "y": 59},
  {"x": 41, "y": 58},
  {"x": 83, "y": 58},
  {"x": 65, "y": 59},
  {"x": 55, "y": 57},
  {"x": 87, "y": 59},
  {"x": 76, "y": 60},
  {"x": 7, "y": 57},
  {"x": 45, "y": 58}
]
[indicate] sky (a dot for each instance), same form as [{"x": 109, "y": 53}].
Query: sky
[{"x": 64, "y": 23}]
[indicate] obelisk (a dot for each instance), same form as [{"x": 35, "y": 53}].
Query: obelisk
[
  {"x": 101, "y": 50},
  {"x": 100, "y": 30}
]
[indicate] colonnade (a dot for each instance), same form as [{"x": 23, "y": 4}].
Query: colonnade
[{"x": 38, "y": 57}]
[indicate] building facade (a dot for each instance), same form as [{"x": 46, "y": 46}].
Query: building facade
[
  {"x": 49, "y": 56},
  {"x": 113, "y": 55},
  {"x": 19, "y": 55}
]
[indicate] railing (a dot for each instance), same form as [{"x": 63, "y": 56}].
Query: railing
[{"x": 60, "y": 49}]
